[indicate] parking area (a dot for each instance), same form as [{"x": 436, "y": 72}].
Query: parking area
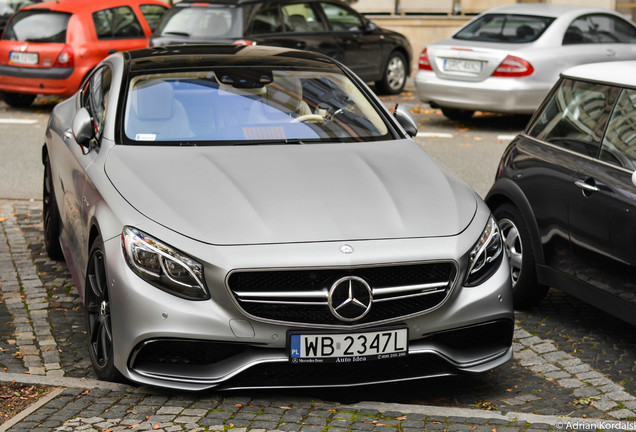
[{"x": 572, "y": 363}]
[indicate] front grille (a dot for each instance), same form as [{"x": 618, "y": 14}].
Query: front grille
[{"x": 301, "y": 296}]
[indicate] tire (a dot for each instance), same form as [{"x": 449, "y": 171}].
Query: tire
[
  {"x": 17, "y": 100},
  {"x": 50, "y": 215},
  {"x": 97, "y": 309},
  {"x": 526, "y": 291},
  {"x": 394, "y": 75},
  {"x": 457, "y": 114}
]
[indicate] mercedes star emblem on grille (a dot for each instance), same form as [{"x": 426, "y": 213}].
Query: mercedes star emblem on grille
[{"x": 350, "y": 298}]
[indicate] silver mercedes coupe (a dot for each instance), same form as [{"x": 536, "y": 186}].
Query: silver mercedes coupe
[{"x": 254, "y": 217}]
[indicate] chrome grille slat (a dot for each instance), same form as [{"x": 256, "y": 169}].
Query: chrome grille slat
[
  {"x": 290, "y": 302},
  {"x": 408, "y": 296},
  {"x": 282, "y": 294},
  {"x": 408, "y": 288}
]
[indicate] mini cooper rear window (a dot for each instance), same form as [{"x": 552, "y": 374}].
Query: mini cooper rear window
[
  {"x": 37, "y": 25},
  {"x": 249, "y": 105},
  {"x": 507, "y": 28}
]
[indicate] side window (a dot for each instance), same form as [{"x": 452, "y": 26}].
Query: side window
[
  {"x": 117, "y": 23},
  {"x": 341, "y": 19},
  {"x": 266, "y": 21},
  {"x": 153, "y": 14},
  {"x": 95, "y": 97},
  {"x": 599, "y": 28},
  {"x": 301, "y": 18},
  {"x": 619, "y": 143},
  {"x": 575, "y": 116}
]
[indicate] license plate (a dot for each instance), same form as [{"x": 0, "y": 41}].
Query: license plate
[
  {"x": 459, "y": 65},
  {"x": 23, "y": 58},
  {"x": 348, "y": 347}
]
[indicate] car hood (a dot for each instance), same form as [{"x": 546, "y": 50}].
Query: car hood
[{"x": 293, "y": 193}]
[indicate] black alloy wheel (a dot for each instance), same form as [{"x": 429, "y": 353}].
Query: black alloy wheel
[
  {"x": 50, "y": 215},
  {"x": 98, "y": 315}
]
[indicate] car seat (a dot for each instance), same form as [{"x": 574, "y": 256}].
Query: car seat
[
  {"x": 281, "y": 101},
  {"x": 156, "y": 115}
]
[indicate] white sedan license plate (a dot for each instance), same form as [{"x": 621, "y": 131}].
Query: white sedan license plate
[
  {"x": 459, "y": 65},
  {"x": 348, "y": 347},
  {"x": 23, "y": 58}
]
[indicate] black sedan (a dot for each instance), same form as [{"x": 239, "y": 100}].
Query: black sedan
[
  {"x": 565, "y": 193},
  {"x": 329, "y": 27}
]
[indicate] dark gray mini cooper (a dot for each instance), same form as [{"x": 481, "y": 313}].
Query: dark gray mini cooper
[{"x": 565, "y": 194}]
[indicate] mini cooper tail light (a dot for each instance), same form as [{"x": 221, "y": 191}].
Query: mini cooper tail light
[
  {"x": 424, "y": 62},
  {"x": 513, "y": 66},
  {"x": 66, "y": 59}
]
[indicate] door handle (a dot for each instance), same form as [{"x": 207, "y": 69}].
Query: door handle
[
  {"x": 301, "y": 45},
  {"x": 610, "y": 52},
  {"x": 68, "y": 134},
  {"x": 588, "y": 189}
]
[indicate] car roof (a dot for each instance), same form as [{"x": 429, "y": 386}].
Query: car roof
[
  {"x": 622, "y": 73},
  {"x": 210, "y": 56},
  {"x": 73, "y": 6},
  {"x": 545, "y": 9}
]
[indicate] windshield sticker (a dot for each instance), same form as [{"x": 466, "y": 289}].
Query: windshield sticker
[{"x": 146, "y": 137}]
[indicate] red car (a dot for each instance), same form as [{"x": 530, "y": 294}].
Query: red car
[{"x": 48, "y": 48}]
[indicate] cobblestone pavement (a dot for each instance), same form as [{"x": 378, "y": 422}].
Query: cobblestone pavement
[{"x": 571, "y": 361}]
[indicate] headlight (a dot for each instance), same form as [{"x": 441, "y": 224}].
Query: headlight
[
  {"x": 485, "y": 256},
  {"x": 163, "y": 266}
]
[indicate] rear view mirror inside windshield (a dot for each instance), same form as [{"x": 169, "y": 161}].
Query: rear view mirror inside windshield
[{"x": 246, "y": 78}]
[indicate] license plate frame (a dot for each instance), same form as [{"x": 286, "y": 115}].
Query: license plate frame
[
  {"x": 462, "y": 65},
  {"x": 24, "y": 58},
  {"x": 381, "y": 344}
]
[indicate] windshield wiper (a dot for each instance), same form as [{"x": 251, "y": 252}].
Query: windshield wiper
[{"x": 292, "y": 141}]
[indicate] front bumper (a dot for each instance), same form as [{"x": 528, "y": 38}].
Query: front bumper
[
  {"x": 165, "y": 341},
  {"x": 494, "y": 94}
]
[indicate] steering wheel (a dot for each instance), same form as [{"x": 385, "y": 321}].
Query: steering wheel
[{"x": 313, "y": 118}]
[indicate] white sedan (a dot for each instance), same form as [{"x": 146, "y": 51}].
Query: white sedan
[{"x": 507, "y": 59}]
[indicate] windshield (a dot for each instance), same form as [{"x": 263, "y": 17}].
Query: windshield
[
  {"x": 248, "y": 106},
  {"x": 507, "y": 28},
  {"x": 202, "y": 22},
  {"x": 37, "y": 26}
]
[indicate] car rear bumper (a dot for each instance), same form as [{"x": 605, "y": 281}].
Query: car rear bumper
[
  {"x": 495, "y": 94},
  {"x": 53, "y": 81}
]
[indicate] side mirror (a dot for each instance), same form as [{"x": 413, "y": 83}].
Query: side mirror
[
  {"x": 370, "y": 27},
  {"x": 83, "y": 127},
  {"x": 406, "y": 120}
]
